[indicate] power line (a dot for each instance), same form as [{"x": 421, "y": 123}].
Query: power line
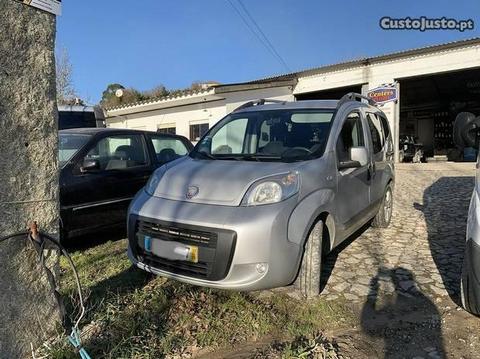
[
  {"x": 263, "y": 35},
  {"x": 259, "y": 38}
]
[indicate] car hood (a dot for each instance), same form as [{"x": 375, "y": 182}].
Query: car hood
[{"x": 219, "y": 182}]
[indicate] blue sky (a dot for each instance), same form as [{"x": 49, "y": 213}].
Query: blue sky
[{"x": 177, "y": 42}]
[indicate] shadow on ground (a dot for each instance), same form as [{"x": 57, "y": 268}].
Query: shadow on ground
[
  {"x": 407, "y": 322},
  {"x": 95, "y": 238},
  {"x": 330, "y": 259},
  {"x": 445, "y": 208}
]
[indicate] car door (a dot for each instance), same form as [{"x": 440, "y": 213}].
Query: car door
[
  {"x": 379, "y": 155},
  {"x": 99, "y": 196},
  {"x": 353, "y": 184}
]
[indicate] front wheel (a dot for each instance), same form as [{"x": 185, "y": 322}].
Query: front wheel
[
  {"x": 384, "y": 215},
  {"x": 469, "y": 299},
  {"x": 308, "y": 279}
]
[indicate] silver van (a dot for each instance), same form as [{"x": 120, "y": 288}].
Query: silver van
[
  {"x": 265, "y": 194},
  {"x": 467, "y": 135}
]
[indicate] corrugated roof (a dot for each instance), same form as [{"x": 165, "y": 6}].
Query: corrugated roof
[
  {"x": 372, "y": 59},
  {"x": 178, "y": 95}
]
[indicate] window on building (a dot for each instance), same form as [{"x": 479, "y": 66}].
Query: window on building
[
  {"x": 376, "y": 131},
  {"x": 350, "y": 136},
  {"x": 168, "y": 130},
  {"x": 197, "y": 131}
]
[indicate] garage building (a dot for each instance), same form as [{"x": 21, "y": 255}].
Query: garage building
[{"x": 433, "y": 84}]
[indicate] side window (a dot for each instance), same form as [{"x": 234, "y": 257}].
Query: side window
[
  {"x": 230, "y": 138},
  {"x": 350, "y": 136},
  {"x": 118, "y": 152},
  {"x": 385, "y": 128},
  {"x": 376, "y": 132},
  {"x": 168, "y": 149}
]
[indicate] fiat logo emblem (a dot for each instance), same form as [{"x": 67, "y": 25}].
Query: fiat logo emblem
[{"x": 192, "y": 191}]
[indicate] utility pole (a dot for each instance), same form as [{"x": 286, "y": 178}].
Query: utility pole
[{"x": 28, "y": 174}]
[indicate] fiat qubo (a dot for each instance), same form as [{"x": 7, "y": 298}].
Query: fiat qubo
[{"x": 266, "y": 194}]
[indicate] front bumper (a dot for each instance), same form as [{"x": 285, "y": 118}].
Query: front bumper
[{"x": 251, "y": 252}]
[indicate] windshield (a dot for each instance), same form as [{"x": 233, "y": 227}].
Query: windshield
[
  {"x": 279, "y": 135},
  {"x": 69, "y": 144}
]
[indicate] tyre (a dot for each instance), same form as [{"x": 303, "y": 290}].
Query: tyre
[
  {"x": 384, "y": 215},
  {"x": 308, "y": 279},
  {"x": 466, "y": 293}
]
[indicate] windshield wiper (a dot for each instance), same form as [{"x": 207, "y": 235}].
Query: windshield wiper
[
  {"x": 259, "y": 157},
  {"x": 206, "y": 155}
]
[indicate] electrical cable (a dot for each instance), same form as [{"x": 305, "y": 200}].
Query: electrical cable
[
  {"x": 74, "y": 337},
  {"x": 263, "y": 35},
  {"x": 262, "y": 41}
]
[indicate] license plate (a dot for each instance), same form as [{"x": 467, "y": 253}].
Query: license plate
[{"x": 171, "y": 250}]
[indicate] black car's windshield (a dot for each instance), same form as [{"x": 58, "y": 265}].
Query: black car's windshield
[
  {"x": 277, "y": 135},
  {"x": 69, "y": 144}
]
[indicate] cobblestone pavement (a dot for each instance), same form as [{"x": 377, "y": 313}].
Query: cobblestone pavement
[{"x": 421, "y": 251}]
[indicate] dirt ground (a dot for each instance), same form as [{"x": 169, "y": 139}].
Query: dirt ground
[{"x": 403, "y": 282}]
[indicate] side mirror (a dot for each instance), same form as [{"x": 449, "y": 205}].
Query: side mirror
[
  {"x": 466, "y": 129},
  {"x": 348, "y": 164},
  {"x": 90, "y": 165},
  {"x": 359, "y": 154}
]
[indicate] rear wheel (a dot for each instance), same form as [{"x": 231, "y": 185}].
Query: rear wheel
[
  {"x": 308, "y": 280},
  {"x": 384, "y": 215}
]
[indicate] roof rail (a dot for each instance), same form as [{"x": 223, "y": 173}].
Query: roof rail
[
  {"x": 352, "y": 96},
  {"x": 258, "y": 102}
]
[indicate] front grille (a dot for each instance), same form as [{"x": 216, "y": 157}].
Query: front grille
[
  {"x": 175, "y": 233},
  {"x": 215, "y": 248},
  {"x": 197, "y": 270}
]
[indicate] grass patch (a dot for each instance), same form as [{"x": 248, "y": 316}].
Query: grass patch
[{"x": 132, "y": 314}]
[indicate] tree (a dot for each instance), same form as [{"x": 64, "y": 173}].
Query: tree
[
  {"x": 111, "y": 97},
  {"x": 156, "y": 92},
  {"x": 66, "y": 93}
]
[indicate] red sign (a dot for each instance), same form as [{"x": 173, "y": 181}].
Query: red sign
[{"x": 383, "y": 95}]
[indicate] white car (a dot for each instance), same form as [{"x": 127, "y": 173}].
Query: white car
[{"x": 466, "y": 134}]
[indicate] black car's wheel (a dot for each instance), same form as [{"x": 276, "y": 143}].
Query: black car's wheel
[
  {"x": 308, "y": 280},
  {"x": 384, "y": 215}
]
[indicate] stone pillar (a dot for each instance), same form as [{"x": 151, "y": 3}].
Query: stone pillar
[{"x": 28, "y": 174}]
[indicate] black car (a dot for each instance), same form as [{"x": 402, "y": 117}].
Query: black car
[{"x": 103, "y": 168}]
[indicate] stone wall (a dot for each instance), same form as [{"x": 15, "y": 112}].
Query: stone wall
[{"x": 28, "y": 172}]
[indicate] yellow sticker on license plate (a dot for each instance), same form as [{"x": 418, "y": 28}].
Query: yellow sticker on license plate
[{"x": 193, "y": 254}]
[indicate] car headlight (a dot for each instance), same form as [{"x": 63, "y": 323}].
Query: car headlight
[
  {"x": 272, "y": 189},
  {"x": 153, "y": 181}
]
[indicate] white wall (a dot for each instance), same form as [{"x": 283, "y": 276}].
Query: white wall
[{"x": 182, "y": 117}]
